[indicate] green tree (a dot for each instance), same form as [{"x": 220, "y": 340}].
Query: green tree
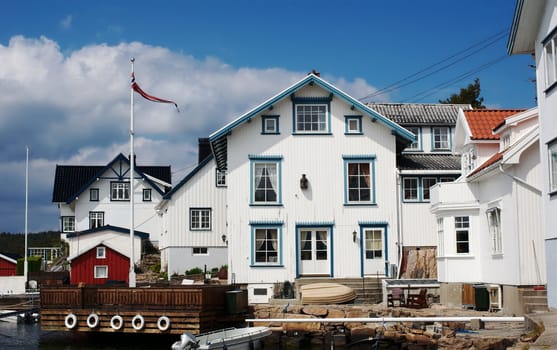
[{"x": 468, "y": 95}]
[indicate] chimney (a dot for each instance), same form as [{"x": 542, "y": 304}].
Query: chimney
[
  {"x": 204, "y": 149},
  {"x": 314, "y": 72}
]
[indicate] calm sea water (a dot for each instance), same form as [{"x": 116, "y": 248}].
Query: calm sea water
[
  {"x": 30, "y": 337},
  {"x": 21, "y": 336}
]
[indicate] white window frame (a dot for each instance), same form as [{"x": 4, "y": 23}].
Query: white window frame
[
  {"x": 552, "y": 166},
  {"x": 147, "y": 195},
  {"x": 94, "y": 195},
  {"x": 441, "y": 138},
  {"x": 440, "y": 236},
  {"x": 405, "y": 187},
  {"x": 120, "y": 191},
  {"x": 268, "y": 255},
  {"x": 462, "y": 226},
  {"x": 311, "y": 118},
  {"x": 373, "y": 242},
  {"x": 494, "y": 224},
  {"x": 270, "y": 124},
  {"x": 353, "y": 124},
  {"x": 96, "y": 219},
  {"x": 550, "y": 55},
  {"x": 200, "y": 251},
  {"x": 101, "y": 271},
  {"x": 353, "y": 183},
  {"x": 101, "y": 252},
  {"x": 220, "y": 178},
  {"x": 416, "y": 145},
  {"x": 265, "y": 170},
  {"x": 426, "y": 189},
  {"x": 200, "y": 219},
  {"x": 68, "y": 223}
]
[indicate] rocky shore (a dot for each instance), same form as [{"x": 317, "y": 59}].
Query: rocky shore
[{"x": 392, "y": 335}]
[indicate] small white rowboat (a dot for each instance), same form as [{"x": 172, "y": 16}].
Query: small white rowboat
[{"x": 249, "y": 338}]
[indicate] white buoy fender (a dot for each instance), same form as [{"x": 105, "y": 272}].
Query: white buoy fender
[
  {"x": 163, "y": 323},
  {"x": 116, "y": 322},
  {"x": 93, "y": 320},
  {"x": 70, "y": 321},
  {"x": 138, "y": 322}
]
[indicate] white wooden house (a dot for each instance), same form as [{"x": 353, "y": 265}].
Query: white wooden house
[
  {"x": 194, "y": 219},
  {"x": 489, "y": 221},
  {"x": 94, "y": 196},
  {"x": 311, "y": 178},
  {"x": 534, "y": 32},
  {"x": 425, "y": 162}
]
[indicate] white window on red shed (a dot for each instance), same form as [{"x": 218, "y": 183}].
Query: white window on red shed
[
  {"x": 101, "y": 271},
  {"x": 101, "y": 252}
]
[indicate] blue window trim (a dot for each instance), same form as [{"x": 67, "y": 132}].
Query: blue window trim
[
  {"x": 385, "y": 227},
  {"x": 421, "y": 178},
  {"x": 317, "y": 225},
  {"x": 264, "y": 118},
  {"x": 418, "y": 189},
  {"x": 370, "y": 158},
  {"x": 450, "y": 137},
  {"x": 419, "y": 139},
  {"x": 311, "y": 101},
  {"x": 265, "y": 159},
  {"x": 267, "y": 225},
  {"x": 347, "y": 119}
]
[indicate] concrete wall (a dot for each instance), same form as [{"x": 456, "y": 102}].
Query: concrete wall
[{"x": 12, "y": 285}]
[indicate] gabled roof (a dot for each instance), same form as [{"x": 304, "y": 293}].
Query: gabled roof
[
  {"x": 188, "y": 177},
  {"x": 116, "y": 229},
  {"x": 97, "y": 244},
  {"x": 420, "y": 113},
  {"x": 481, "y": 122},
  {"x": 426, "y": 161},
  {"x": 71, "y": 180},
  {"x": 8, "y": 258},
  {"x": 219, "y": 137}
]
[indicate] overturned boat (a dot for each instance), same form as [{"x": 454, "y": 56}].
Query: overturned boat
[
  {"x": 327, "y": 293},
  {"x": 249, "y": 338}
]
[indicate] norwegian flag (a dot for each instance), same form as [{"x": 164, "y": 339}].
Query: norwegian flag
[{"x": 145, "y": 95}]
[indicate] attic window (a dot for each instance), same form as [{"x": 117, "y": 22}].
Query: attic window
[{"x": 101, "y": 252}]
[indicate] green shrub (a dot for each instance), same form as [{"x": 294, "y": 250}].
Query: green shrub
[
  {"x": 33, "y": 264},
  {"x": 194, "y": 271}
]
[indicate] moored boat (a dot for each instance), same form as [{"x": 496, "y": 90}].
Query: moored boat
[{"x": 249, "y": 338}]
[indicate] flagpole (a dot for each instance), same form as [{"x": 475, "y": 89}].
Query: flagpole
[
  {"x": 25, "y": 265},
  {"x": 132, "y": 165}
]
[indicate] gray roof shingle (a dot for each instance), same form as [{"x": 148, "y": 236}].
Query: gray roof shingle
[
  {"x": 428, "y": 161},
  {"x": 419, "y": 113}
]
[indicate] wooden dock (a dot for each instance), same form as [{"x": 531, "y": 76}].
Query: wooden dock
[{"x": 162, "y": 310}]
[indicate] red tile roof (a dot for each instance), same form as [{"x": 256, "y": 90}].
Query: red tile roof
[
  {"x": 482, "y": 121},
  {"x": 492, "y": 160}
]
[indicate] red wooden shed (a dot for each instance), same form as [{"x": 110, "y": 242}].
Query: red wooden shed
[
  {"x": 98, "y": 265},
  {"x": 8, "y": 266}
]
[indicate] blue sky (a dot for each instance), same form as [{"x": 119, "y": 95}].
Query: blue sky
[{"x": 64, "y": 73}]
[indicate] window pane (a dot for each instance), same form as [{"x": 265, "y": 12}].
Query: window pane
[
  {"x": 266, "y": 245},
  {"x": 411, "y": 189},
  {"x": 427, "y": 182},
  {"x": 265, "y": 182},
  {"x": 359, "y": 182},
  {"x": 553, "y": 167},
  {"x": 311, "y": 118},
  {"x": 416, "y": 144}
]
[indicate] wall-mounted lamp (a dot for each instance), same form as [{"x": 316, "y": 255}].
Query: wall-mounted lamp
[
  {"x": 354, "y": 236},
  {"x": 224, "y": 239},
  {"x": 304, "y": 182}
]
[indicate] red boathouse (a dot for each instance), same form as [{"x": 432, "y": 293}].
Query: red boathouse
[
  {"x": 8, "y": 266},
  {"x": 99, "y": 265}
]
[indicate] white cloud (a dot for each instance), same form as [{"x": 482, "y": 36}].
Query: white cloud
[{"x": 75, "y": 108}]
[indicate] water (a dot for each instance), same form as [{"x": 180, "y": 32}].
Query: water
[
  {"x": 21, "y": 336},
  {"x": 30, "y": 337}
]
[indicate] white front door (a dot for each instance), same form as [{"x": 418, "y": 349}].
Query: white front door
[
  {"x": 314, "y": 251},
  {"x": 374, "y": 251}
]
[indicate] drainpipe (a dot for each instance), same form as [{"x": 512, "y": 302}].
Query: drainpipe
[
  {"x": 399, "y": 222},
  {"x": 520, "y": 181}
]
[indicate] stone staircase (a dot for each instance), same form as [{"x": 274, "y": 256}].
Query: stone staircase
[
  {"x": 533, "y": 300},
  {"x": 369, "y": 290}
]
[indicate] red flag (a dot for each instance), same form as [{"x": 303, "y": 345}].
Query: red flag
[{"x": 145, "y": 95}]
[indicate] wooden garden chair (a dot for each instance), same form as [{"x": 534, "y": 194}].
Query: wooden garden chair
[
  {"x": 417, "y": 301},
  {"x": 397, "y": 294}
]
